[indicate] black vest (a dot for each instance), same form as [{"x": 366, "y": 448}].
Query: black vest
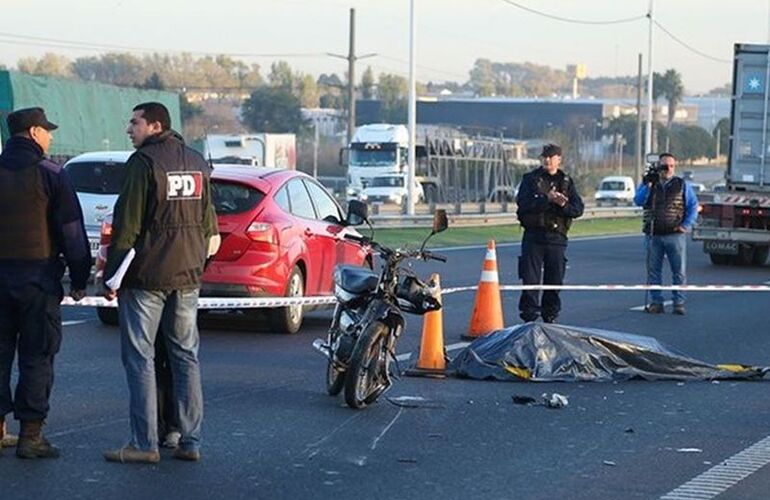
[
  {"x": 171, "y": 249},
  {"x": 552, "y": 220},
  {"x": 664, "y": 208},
  {"x": 24, "y": 207}
]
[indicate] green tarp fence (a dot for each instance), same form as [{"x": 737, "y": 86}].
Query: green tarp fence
[{"x": 91, "y": 116}]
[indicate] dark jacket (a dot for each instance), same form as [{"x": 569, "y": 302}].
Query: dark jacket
[
  {"x": 164, "y": 213},
  {"x": 664, "y": 208},
  {"x": 38, "y": 258},
  {"x": 543, "y": 221}
]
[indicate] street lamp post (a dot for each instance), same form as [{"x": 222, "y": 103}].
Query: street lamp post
[{"x": 412, "y": 112}]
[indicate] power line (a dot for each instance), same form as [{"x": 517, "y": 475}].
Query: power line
[
  {"x": 690, "y": 47},
  {"x": 571, "y": 20},
  {"x": 435, "y": 70},
  {"x": 71, "y": 44}
]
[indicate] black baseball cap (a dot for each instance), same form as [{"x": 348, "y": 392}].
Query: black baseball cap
[
  {"x": 550, "y": 150},
  {"x": 23, "y": 119}
]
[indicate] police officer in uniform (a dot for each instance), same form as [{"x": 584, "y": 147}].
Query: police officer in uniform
[
  {"x": 547, "y": 202},
  {"x": 165, "y": 218},
  {"x": 40, "y": 221}
]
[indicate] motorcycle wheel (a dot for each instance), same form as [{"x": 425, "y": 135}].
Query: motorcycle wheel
[
  {"x": 363, "y": 382},
  {"x": 335, "y": 379}
]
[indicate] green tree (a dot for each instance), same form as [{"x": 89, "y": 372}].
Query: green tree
[
  {"x": 113, "y": 68},
  {"x": 367, "y": 83},
  {"x": 392, "y": 91},
  {"x": 688, "y": 143},
  {"x": 722, "y": 134},
  {"x": 673, "y": 90},
  {"x": 272, "y": 109},
  {"x": 281, "y": 75},
  {"x": 307, "y": 91},
  {"x": 482, "y": 78},
  {"x": 49, "y": 65},
  {"x": 154, "y": 82}
]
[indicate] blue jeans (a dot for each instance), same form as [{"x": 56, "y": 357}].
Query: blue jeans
[
  {"x": 141, "y": 312},
  {"x": 674, "y": 248}
]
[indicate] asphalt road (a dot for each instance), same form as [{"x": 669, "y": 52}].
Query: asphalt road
[{"x": 270, "y": 430}]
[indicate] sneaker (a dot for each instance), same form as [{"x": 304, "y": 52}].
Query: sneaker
[
  {"x": 187, "y": 455},
  {"x": 654, "y": 308},
  {"x": 172, "y": 440},
  {"x": 131, "y": 455},
  {"x": 679, "y": 309}
]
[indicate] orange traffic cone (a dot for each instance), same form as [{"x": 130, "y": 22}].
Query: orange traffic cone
[
  {"x": 488, "y": 308},
  {"x": 431, "y": 362}
]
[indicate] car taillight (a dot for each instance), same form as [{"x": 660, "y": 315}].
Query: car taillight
[
  {"x": 105, "y": 234},
  {"x": 262, "y": 232}
]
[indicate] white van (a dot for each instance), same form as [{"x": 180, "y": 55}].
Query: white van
[
  {"x": 390, "y": 189},
  {"x": 615, "y": 190}
]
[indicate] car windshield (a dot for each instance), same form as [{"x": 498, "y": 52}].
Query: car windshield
[
  {"x": 234, "y": 198},
  {"x": 372, "y": 158},
  {"x": 387, "y": 182},
  {"x": 612, "y": 186},
  {"x": 98, "y": 177}
]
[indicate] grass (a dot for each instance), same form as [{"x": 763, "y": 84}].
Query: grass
[{"x": 479, "y": 235}]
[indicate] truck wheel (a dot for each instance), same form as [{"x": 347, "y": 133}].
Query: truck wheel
[
  {"x": 760, "y": 255},
  {"x": 745, "y": 255},
  {"x": 718, "y": 259}
]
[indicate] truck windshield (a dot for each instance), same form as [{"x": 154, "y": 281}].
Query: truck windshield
[
  {"x": 387, "y": 182},
  {"x": 372, "y": 158}
]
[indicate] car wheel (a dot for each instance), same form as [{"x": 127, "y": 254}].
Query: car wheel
[
  {"x": 108, "y": 315},
  {"x": 760, "y": 255},
  {"x": 289, "y": 319}
]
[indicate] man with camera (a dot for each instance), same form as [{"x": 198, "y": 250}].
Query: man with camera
[{"x": 670, "y": 209}]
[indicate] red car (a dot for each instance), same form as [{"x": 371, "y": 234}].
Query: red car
[{"x": 282, "y": 235}]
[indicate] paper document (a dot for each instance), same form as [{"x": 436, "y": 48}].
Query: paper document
[{"x": 117, "y": 278}]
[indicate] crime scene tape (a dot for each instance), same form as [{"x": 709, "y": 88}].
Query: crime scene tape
[{"x": 270, "y": 302}]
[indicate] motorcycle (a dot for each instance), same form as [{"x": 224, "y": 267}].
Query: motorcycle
[{"x": 368, "y": 318}]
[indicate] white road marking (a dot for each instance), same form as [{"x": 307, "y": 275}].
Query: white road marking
[
  {"x": 74, "y": 322},
  {"x": 725, "y": 475},
  {"x": 641, "y": 308},
  {"x": 386, "y": 429}
]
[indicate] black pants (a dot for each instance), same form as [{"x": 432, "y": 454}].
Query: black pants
[
  {"x": 541, "y": 263},
  {"x": 30, "y": 322}
]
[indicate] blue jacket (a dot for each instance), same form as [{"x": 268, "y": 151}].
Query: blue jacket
[{"x": 65, "y": 223}]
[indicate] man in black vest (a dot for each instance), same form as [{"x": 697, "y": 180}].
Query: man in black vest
[
  {"x": 547, "y": 202},
  {"x": 40, "y": 220},
  {"x": 670, "y": 209},
  {"x": 163, "y": 228}
]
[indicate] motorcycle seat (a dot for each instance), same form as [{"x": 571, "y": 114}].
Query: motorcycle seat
[{"x": 356, "y": 279}]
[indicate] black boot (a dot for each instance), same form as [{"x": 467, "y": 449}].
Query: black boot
[
  {"x": 6, "y": 440},
  {"x": 32, "y": 444}
]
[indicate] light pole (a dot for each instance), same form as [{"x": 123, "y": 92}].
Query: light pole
[
  {"x": 412, "y": 112},
  {"x": 648, "y": 127}
]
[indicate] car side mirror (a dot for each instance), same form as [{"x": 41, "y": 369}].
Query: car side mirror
[
  {"x": 440, "y": 221},
  {"x": 358, "y": 213}
]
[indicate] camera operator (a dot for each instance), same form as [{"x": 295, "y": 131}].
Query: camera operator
[{"x": 670, "y": 209}]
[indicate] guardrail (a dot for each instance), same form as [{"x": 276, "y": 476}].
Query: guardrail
[{"x": 473, "y": 214}]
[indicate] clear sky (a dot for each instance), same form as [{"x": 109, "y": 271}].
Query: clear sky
[{"x": 451, "y": 33}]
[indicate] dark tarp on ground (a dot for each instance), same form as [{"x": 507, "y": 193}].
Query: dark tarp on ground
[{"x": 551, "y": 352}]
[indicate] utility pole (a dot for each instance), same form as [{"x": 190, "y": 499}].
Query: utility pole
[
  {"x": 412, "y": 113},
  {"x": 648, "y": 129},
  {"x": 351, "y": 58},
  {"x": 315, "y": 149},
  {"x": 638, "y": 152}
]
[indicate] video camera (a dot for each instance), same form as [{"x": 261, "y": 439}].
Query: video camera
[{"x": 654, "y": 168}]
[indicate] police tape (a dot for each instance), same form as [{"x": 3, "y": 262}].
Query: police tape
[
  {"x": 220, "y": 302},
  {"x": 272, "y": 302}
]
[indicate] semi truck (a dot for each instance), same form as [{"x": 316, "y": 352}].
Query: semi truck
[
  {"x": 450, "y": 167},
  {"x": 734, "y": 224},
  {"x": 260, "y": 150}
]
